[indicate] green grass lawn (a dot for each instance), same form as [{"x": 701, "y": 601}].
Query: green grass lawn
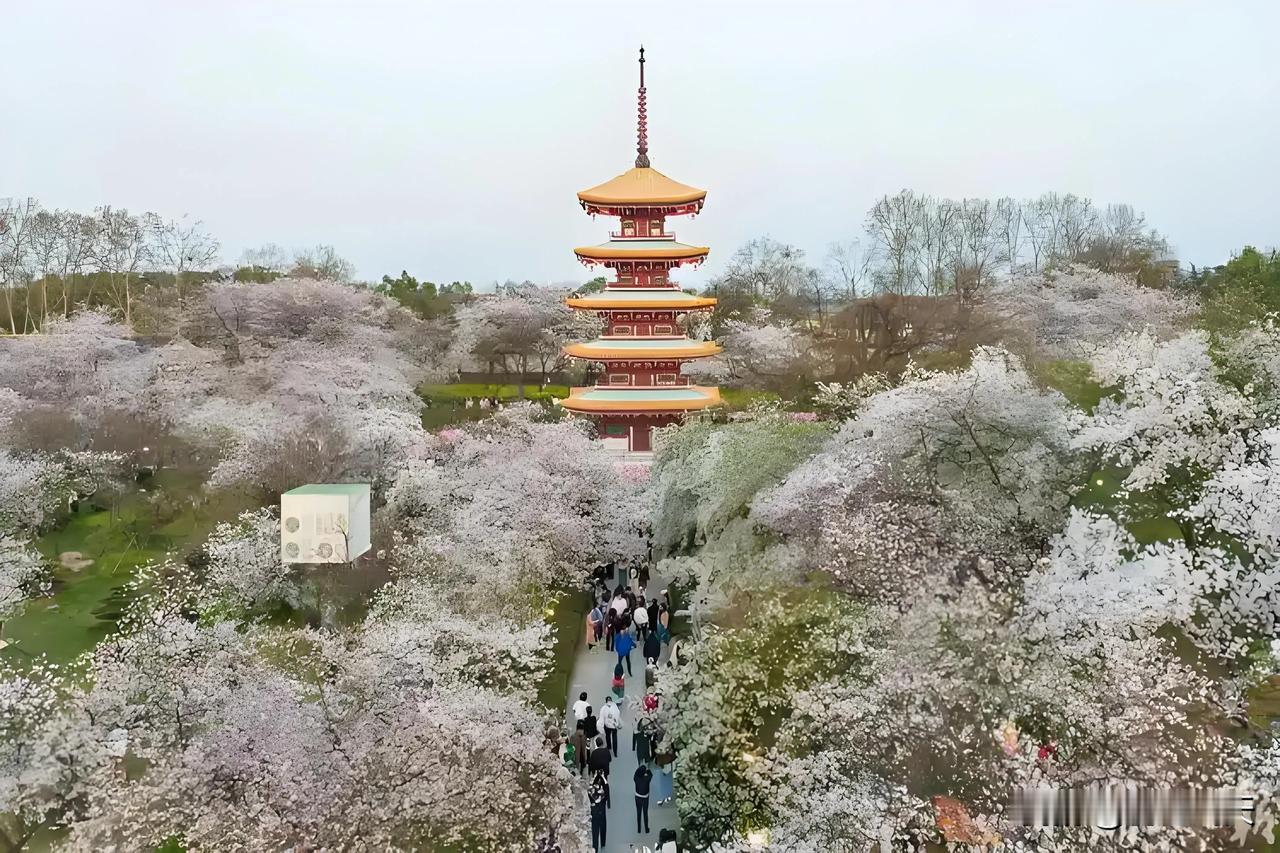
[
  {"x": 742, "y": 398},
  {"x": 86, "y": 604},
  {"x": 567, "y": 626},
  {"x": 459, "y": 391},
  {"x": 443, "y": 405}
]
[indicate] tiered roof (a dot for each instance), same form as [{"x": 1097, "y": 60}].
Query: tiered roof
[
  {"x": 642, "y": 298},
  {"x": 597, "y": 400},
  {"x": 629, "y": 349},
  {"x": 634, "y": 249},
  {"x": 641, "y": 187}
]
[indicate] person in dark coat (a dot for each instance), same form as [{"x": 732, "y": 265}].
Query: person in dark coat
[
  {"x": 653, "y": 613},
  {"x": 598, "y": 796},
  {"x": 643, "y": 776},
  {"x": 652, "y": 646},
  {"x": 590, "y": 726},
  {"x": 610, "y": 628},
  {"x": 600, "y": 758},
  {"x": 579, "y": 741},
  {"x": 642, "y": 745}
]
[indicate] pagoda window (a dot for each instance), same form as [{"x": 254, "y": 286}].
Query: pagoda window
[
  {"x": 615, "y": 430},
  {"x": 628, "y": 228},
  {"x": 659, "y": 278},
  {"x": 663, "y": 330},
  {"x": 655, "y": 227},
  {"x": 619, "y": 378},
  {"x": 665, "y": 379},
  {"x": 623, "y": 330},
  {"x": 625, "y": 278}
]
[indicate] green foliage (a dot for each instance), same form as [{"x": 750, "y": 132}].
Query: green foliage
[
  {"x": 1243, "y": 290},
  {"x": 254, "y": 274},
  {"x": 422, "y": 298},
  {"x": 707, "y": 473},
  {"x": 1073, "y": 379},
  {"x": 728, "y": 704}
]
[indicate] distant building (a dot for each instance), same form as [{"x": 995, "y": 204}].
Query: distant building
[{"x": 324, "y": 523}]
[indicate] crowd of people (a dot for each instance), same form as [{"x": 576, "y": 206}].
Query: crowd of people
[{"x": 621, "y": 621}]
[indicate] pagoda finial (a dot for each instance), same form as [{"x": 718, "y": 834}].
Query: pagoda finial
[{"x": 642, "y": 136}]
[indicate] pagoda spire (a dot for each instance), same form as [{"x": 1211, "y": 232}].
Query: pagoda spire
[{"x": 642, "y": 136}]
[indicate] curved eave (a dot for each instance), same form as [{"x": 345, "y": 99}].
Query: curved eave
[
  {"x": 579, "y": 401},
  {"x": 641, "y": 187},
  {"x": 594, "y": 198},
  {"x": 693, "y": 303},
  {"x": 695, "y": 349},
  {"x": 602, "y": 253}
]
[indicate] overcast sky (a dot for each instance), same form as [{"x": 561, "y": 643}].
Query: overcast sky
[{"x": 449, "y": 139}]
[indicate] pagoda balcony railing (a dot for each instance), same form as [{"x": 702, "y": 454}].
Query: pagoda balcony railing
[
  {"x": 618, "y": 235},
  {"x": 682, "y": 382}
]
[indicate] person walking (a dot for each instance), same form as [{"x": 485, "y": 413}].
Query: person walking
[
  {"x": 590, "y": 725},
  {"x": 623, "y": 646},
  {"x": 599, "y": 814},
  {"x": 595, "y": 626},
  {"x": 610, "y": 628},
  {"x": 611, "y": 720},
  {"x": 643, "y": 777},
  {"x": 667, "y": 842},
  {"x": 642, "y": 746},
  {"x": 600, "y": 758},
  {"x": 653, "y": 613},
  {"x": 579, "y": 741},
  {"x": 641, "y": 617},
  {"x": 581, "y": 707},
  {"x": 653, "y": 645},
  {"x": 619, "y": 684}
]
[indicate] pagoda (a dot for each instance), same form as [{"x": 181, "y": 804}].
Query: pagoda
[{"x": 643, "y": 346}]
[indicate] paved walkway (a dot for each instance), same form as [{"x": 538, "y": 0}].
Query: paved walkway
[{"x": 593, "y": 672}]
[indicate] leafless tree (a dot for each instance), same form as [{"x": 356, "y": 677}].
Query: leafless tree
[
  {"x": 16, "y": 225},
  {"x": 977, "y": 245},
  {"x": 180, "y": 246},
  {"x": 850, "y": 264},
  {"x": 893, "y": 224},
  {"x": 269, "y": 257},
  {"x": 1009, "y": 222},
  {"x": 324, "y": 263},
  {"x": 120, "y": 249}
]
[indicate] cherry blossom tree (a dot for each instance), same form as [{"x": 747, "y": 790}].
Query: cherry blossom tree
[
  {"x": 1075, "y": 311},
  {"x": 22, "y": 574}
]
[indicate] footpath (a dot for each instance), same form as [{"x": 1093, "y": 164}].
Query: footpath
[{"x": 593, "y": 673}]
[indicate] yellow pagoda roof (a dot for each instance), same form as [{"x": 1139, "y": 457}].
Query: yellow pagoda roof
[
  {"x": 652, "y": 298},
  {"x": 633, "y": 249},
  {"x": 600, "y": 400},
  {"x": 616, "y": 349},
  {"x": 639, "y": 187}
]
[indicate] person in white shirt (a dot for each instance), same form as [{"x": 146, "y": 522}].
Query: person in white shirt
[
  {"x": 611, "y": 719},
  {"x": 581, "y": 707},
  {"x": 641, "y": 618}
]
